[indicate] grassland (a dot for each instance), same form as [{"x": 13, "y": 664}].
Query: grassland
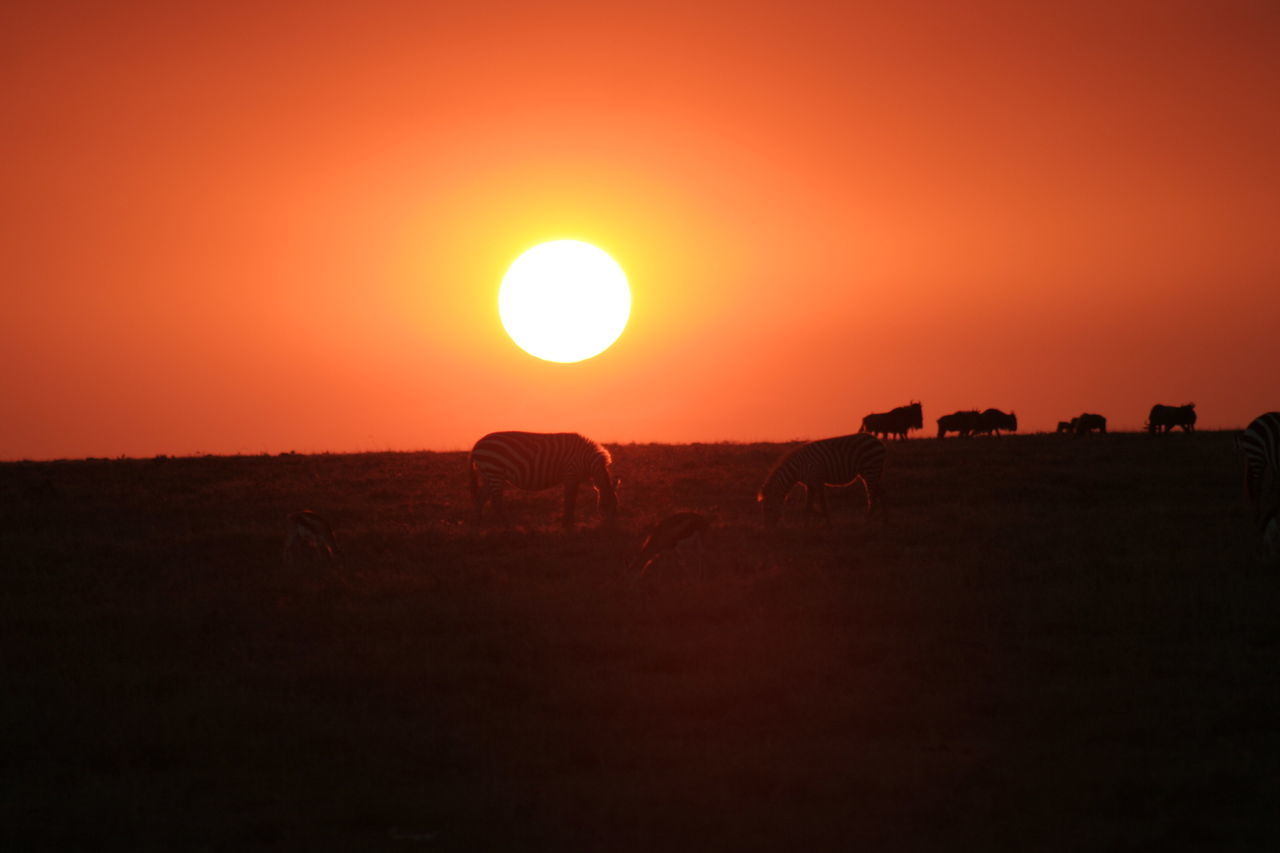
[{"x": 1054, "y": 644}]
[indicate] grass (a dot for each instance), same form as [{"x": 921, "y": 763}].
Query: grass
[{"x": 1055, "y": 644}]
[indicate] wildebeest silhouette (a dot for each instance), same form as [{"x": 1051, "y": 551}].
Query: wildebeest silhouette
[
  {"x": 991, "y": 421},
  {"x": 1089, "y": 422},
  {"x": 1165, "y": 418},
  {"x": 896, "y": 422},
  {"x": 961, "y": 423}
]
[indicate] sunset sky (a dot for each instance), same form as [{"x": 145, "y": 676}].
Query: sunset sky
[{"x": 239, "y": 229}]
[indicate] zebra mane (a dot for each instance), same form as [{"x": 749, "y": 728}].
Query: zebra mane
[{"x": 599, "y": 449}]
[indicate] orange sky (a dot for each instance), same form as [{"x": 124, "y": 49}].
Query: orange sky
[{"x": 245, "y": 230}]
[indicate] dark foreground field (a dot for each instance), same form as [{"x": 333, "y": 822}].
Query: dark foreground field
[{"x": 1055, "y": 644}]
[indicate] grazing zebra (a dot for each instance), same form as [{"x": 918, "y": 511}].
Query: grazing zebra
[
  {"x": 1165, "y": 418},
  {"x": 991, "y": 421},
  {"x": 961, "y": 423},
  {"x": 827, "y": 462},
  {"x": 309, "y": 540},
  {"x": 672, "y": 535},
  {"x": 535, "y": 461},
  {"x": 894, "y": 423},
  {"x": 1260, "y": 444},
  {"x": 1088, "y": 422}
]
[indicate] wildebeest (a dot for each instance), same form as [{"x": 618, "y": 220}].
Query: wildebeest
[
  {"x": 1088, "y": 422},
  {"x": 896, "y": 422},
  {"x": 961, "y": 423},
  {"x": 1165, "y": 418},
  {"x": 1068, "y": 426},
  {"x": 991, "y": 421}
]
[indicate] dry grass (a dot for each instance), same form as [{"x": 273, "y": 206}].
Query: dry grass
[{"x": 1055, "y": 644}]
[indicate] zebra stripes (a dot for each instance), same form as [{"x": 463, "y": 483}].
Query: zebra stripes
[
  {"x": 1260, "y": 444},
  {"x": 826, "y": 462},
  {"x": 535, "y": 461}
]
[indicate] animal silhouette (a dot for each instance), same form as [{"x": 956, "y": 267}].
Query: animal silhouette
[
  {"x": 535, "y": 461},
  {"x": 672, "y": 535}
]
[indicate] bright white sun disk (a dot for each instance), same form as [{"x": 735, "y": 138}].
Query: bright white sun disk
[{"x": 564, "y": 301}]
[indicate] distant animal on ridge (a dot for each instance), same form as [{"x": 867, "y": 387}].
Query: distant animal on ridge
[
  {"x": 991, "y": 421},
  {"x": 1089, "y": 422},
  {"x": 309, "y": 540},
  {"x": 896, "y": 422},
  {"x": 1068, "y": 426},
  {"x": 1260, "y": 445},
  {"x": 535, "y": 461},
  {"x": 827, "y": 462},
  {"x": 961, "y": 423},
  {"x": 673, "y": 535},
  {"x": 1165, "y": 418}
]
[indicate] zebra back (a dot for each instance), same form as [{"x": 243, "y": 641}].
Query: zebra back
[{"x": 535, "y": 461}]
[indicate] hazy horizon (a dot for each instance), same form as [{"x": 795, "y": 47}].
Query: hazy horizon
[{"x": 916, "y": 435}]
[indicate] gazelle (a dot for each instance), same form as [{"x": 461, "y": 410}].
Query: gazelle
[
  {"x": 675, "y": 534},
  {"x": 309, "y": 540}
]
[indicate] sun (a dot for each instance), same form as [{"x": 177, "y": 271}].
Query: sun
[{"x": 564, "y": 301}]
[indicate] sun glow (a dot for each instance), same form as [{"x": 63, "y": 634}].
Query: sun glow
[{"x": 564, "y": 301}]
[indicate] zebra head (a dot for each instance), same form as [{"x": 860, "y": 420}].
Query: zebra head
[
  {"x": 771, "y": 497},
  {"x": 606, "y": 493},
  {"x": 1271, "y": 537},
  {"x": 1269, "y": 523}
]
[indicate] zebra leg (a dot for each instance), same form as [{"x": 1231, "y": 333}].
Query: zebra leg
[
  {"x": 494, "y": 494},
  {"x": 570, "y": 501},
  {"x": 817, "y": 504},
  {"x": 875, "y": 500},
  {"x": 479, "y": 495},
  {"x": 288, "y": 556}
]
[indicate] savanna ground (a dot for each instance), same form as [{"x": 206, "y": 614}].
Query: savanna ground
[{"x": 1055, "y": 644}]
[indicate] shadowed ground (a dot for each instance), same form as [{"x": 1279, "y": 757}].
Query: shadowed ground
[{"x": 1056, "y": 644}]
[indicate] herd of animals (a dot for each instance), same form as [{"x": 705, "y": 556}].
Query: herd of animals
[
  {"x": 898, "y": 422},
  {"x": 538, "y": 461}
]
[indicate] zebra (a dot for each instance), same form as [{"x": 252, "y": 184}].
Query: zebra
[
  {"x": 826, "y": 462},
  {"x": 1165, "y": 418},
  {"x": 535, "y": 461},
  {"x": 672, "y": 535},
  {"x": 1260, "y": 445},
  {"x": 309, "y": 539},
  {"x": 896, "y": 422}
]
